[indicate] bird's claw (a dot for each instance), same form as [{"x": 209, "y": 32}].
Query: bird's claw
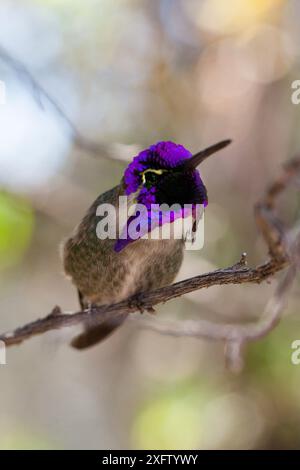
[
  {"x": 90, "y": 308},
  {"x": 138, "y": 302}
]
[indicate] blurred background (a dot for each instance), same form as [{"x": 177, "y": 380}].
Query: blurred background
[{"x": 132, "y": 72}]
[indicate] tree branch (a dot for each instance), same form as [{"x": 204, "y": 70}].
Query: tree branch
[
  {"x": 282, "y": 252},
  {"x": 119, "y": 152},
  {"x": 235, "y": 336}
]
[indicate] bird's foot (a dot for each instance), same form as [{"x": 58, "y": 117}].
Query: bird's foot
[
  {"x": 137, "y": 302},
  {"x": 90, "y": 308}
]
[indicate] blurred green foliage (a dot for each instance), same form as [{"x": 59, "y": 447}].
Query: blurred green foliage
[
  {"x": 21, "y": 439},
  {"x": 172, "y": 420},
  {"x": 16, "y": 227}
]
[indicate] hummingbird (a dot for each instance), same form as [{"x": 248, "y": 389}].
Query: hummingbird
[{"x": 109, "y": 270}]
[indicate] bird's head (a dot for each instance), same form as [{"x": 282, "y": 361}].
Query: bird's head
[{"x": 166, "y": 173}]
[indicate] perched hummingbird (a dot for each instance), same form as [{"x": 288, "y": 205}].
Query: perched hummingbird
[{"x": 107, "y": 271}]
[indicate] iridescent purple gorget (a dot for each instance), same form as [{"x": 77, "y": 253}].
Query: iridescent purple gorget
[{"x": 165, "y": 162}]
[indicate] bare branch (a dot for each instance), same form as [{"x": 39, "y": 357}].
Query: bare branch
[
  {"x": 282, "y": 254},
  {"x": 236, "y": 336},
  {"x": 233, "y": 333}
]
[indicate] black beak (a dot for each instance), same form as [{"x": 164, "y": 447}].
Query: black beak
[{"x": 199, "y": 157}]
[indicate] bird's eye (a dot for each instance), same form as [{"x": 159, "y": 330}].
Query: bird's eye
[{"x": 150, "y": 177}]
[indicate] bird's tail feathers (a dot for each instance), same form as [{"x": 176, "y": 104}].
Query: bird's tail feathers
[{"x": 97, "y": 333}]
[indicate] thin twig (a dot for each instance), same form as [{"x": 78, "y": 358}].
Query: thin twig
[
  {"x": 281, "y": 256},
  {"x": 118, "y": 152}
]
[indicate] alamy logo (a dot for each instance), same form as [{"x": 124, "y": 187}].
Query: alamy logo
[
  {"x": 295, "y": 97},
  {"x": 295, "y": 356},
  {"x": 2, "y": 353},
  {"x": 129, "y": 222}
]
